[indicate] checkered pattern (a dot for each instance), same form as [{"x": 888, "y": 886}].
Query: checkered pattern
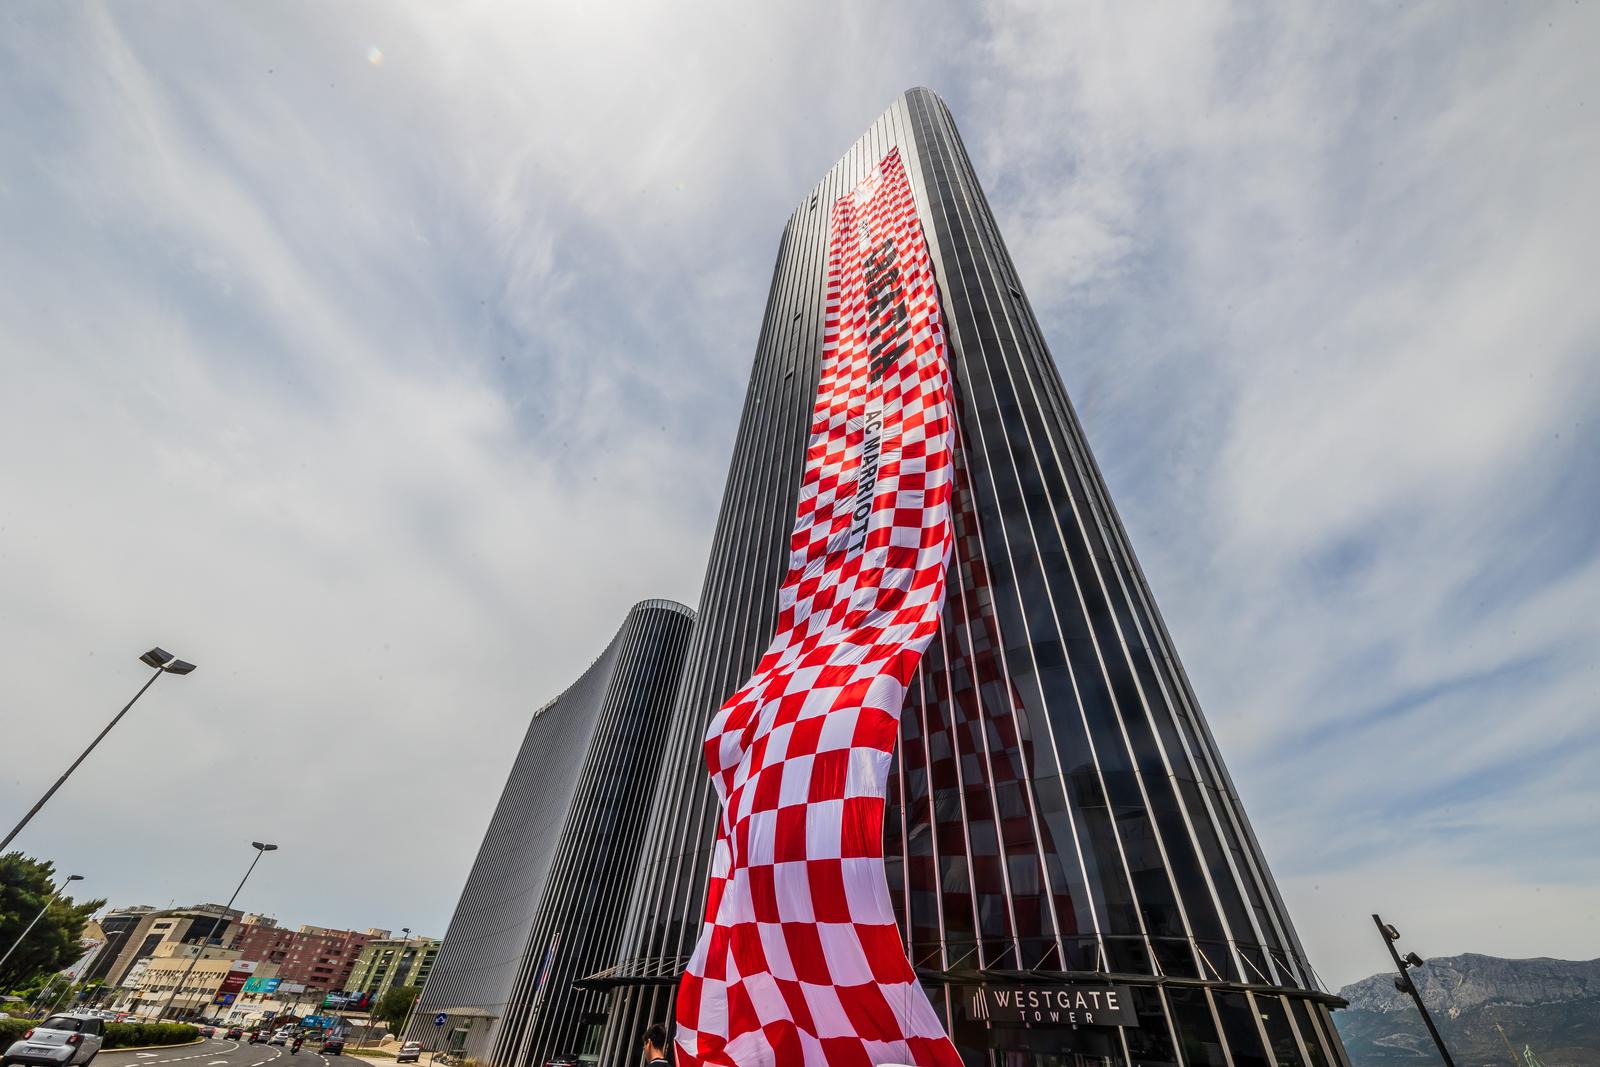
[{"x": 800, "y": 961}]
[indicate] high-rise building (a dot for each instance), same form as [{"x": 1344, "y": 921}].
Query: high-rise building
[
  {"x": 543, "y": 903},
  {"x": 1061, "y": 833},
  {"x": 315, "y": 956},
  {"x": 390, "y": 962}
]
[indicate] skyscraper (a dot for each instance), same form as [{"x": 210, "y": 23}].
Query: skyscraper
[
  {"x": 1062, "y": 837},
  {"x": 542, "y": 904}
]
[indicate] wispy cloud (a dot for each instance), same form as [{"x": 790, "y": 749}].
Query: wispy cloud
[
  {"x": 381, "y": 390},
  {"x": 1328, "y": 325}
]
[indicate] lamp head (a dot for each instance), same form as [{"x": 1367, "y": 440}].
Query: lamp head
[
  {"x": 1390, "y": 932},
  {"x": 162, "y": 660},
  {"x": 1413, "y": 960},
  {"x": 263, "y": 847}
]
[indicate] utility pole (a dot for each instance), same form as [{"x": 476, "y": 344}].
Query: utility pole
[
  {"x": 163, "y": 662},
  {"x": 1404, "y": 984},
  {"x": 261, "y": 850},
  {"x": 1516, "y": 1061}
]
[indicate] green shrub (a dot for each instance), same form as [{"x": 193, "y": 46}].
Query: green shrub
[
  {"x": 118, "y": 1035},
  {"x": 131, "y": 1035}
]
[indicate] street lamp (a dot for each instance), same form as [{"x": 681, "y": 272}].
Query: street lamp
[
  {"x": 163, "y": 662},
  {"x": 394, "y": 978},
  {"x": 1404, "y": 984},
  {"x": 399, "y": 955},
  {"x": 261, "y": 850},
  {"x": 23, "y": 936}
]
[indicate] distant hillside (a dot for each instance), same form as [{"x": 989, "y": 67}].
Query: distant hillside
[{"x": 1551, "y": 1005}]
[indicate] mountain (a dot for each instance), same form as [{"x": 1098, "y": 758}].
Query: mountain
[{"x": 1552, "y": 1006}]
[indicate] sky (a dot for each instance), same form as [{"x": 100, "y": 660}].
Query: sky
[{"x": 377, "y": 357}]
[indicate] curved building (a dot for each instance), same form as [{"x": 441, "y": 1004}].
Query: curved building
[
  {"x": 1061, "y": 829},
  {"x": 543, "y": 902}
]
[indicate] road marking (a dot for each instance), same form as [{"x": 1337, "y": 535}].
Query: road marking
[
  {"x": 214, "y": 1063},
  {"x": 148, "y": 1055}
]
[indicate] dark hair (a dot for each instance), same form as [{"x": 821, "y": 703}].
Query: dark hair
[{"x": 657, "y": 1036}]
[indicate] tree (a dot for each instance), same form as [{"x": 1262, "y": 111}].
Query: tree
[
  {"x": 25, "y": 885},
  {"x": 395, "y": 1003}
]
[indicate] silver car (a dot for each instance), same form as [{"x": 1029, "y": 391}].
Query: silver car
[{"x": 58, "y": 1041}]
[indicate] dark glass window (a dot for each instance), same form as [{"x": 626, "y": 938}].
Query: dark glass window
[
  {"x": 1191, "y": 1015},
  {"x": 1239, "y": 1028},
  {"x": 1150, "y": 1043},
  {"x": 1302, "y": 1016},
  {"x": 1285, "y": 1049}
]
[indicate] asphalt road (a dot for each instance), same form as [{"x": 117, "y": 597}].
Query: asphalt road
[{"x": 219, "y": 1052}]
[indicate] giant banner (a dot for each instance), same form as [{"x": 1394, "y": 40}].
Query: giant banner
[{"x": 799, "y": 960}]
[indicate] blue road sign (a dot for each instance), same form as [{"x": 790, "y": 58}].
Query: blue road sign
[{"x": 438, "y": 1020}]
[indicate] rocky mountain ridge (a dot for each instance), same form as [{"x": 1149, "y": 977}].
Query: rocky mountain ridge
[
  {"x": 1457, "y": 983},
  {"x": 1547, "y": 1005}
]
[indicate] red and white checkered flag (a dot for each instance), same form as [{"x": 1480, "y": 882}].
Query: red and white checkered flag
[{"x": 799, "y": 961}]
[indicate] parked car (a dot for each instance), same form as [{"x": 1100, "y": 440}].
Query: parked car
[
  {"x": 333, "y": 1046},
  {"x": 72, "y": 1038},
  {"x": 409, "y": 1052},
  {"x": 234, "y": 1033}
]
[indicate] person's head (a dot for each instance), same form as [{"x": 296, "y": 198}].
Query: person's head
[{"x": 655, "y": 1042}]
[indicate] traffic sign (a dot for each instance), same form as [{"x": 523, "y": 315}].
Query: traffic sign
[{"x": 438, "y": 1020}]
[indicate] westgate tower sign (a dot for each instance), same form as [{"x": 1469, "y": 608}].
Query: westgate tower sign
[{"x": 1067, "y": 1005}]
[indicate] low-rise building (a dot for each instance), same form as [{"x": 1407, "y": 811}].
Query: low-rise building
[
  {"x": 268, "y": 997},
  {"x": 189, "y": 981},
  {"x": 91, "y": 943},
  {"x": 140, "y": 931},
  {"x": 119, "y": 925}
]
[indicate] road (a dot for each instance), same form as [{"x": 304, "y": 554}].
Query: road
[{"x": 219, "y": 1052}]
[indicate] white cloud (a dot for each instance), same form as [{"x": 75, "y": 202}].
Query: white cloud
[
  {"x": 1326, "y": 319},
  {"x": 381, "y": 391}
]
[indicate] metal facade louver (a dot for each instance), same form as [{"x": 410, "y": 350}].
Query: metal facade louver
[
  {"x": 1059, "y": 810},
  {"x": 542, "y": 904}
]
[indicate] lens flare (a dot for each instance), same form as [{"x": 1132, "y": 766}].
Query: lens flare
[{"x": 375, "y": 56}]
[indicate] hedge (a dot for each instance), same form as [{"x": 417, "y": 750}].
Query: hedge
[
  {"x": 118, "y": 1035},
  {"x": 129, "y": 1035}
]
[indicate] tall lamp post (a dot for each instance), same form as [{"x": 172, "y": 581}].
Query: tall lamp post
[
  {"x": 261, "y": 850},
  {"x": 24, "y": 935},
  {"x": 163, "y": 662},
  {"x": 1404, "y": 984}
]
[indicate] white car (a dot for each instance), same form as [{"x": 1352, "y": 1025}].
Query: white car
[{"x": 58, "y": 1041}]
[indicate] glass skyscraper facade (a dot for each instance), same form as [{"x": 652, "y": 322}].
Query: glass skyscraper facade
[
  {"x": 542, "y": 904},
  {"x": 1060, "y": 818}
]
